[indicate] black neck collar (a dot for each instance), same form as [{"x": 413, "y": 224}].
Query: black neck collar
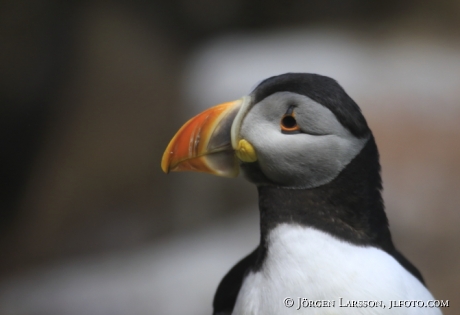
[{"x": 349, "y": 208}]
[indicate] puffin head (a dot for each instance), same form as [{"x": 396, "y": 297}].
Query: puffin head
[{"x": 295, "y": 130}]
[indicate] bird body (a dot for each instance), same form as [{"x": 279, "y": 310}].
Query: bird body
[
  {"x": 324, "y": 233},
  {"x": 308, "y": 263}
]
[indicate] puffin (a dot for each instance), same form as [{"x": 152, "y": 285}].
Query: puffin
[{"x": 325, "y": 243}]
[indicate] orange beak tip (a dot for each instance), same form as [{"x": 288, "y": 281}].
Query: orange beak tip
[{"x": 165, "y": 162}]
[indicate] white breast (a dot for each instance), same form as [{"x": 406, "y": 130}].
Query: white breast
[{"x": 307, "y": 263}]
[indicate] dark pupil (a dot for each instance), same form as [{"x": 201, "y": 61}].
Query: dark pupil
[{"x": 288, "y": 122}]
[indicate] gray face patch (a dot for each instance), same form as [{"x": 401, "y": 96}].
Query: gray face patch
[{"x": 308, "y": 159}]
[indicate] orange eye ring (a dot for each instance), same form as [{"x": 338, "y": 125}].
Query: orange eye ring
[{"x": 289, "y": 123}]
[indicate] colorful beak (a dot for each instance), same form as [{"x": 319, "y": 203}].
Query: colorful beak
[{"x": 204, "y": 143}]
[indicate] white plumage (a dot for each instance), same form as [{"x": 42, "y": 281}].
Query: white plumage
[{"x": 303, "y": 262}]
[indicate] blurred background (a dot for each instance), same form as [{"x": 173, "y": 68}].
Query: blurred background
[{"x": 92, "y": 91}]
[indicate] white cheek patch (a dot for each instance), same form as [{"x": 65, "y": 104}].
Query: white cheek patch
[{"x": 299, "y": 160}]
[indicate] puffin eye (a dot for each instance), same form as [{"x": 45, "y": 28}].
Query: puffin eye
[{"x": 289, "y": 124}]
